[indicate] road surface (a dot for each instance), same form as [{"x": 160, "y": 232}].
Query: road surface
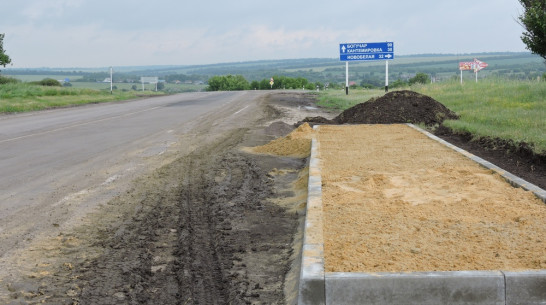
[
  {"x": 151, "y": 202},
  {"x": 48, "y": 158}
]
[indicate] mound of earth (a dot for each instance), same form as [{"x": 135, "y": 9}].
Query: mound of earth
[
  {"x": 296, "y": 144},
  {"x": 394, "y": 107},
  {"x": 279, "y": 129}
]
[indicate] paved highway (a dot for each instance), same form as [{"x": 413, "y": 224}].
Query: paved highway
[{"x": 53, "y": 162}]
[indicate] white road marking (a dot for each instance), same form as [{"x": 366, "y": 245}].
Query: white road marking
[{"x": 242, "y": 109}]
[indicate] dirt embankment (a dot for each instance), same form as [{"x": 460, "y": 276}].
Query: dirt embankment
[{"x": 394, "y": 107}]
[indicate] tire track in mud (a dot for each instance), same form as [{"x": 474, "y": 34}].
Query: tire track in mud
[
  {"x": 200, "y": 272},
  {"x": 201, "y": 230}
]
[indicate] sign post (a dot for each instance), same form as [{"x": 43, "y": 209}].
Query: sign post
[
  {"x": 475, "y": 65},
  {"x": 149, "y": 80},
  {"x": 366, "y": 51},
  {"x": 478, "y": 65}
]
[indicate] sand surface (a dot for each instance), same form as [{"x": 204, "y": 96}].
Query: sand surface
[{"x": 395, "y": 200}]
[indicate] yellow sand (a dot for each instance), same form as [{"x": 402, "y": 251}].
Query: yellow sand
[
  {"x": 295, "y": 144},
  {"x": 395, "y": 200}
]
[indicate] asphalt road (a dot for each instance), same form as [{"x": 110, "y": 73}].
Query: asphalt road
[{"x": 64, "y": 157}]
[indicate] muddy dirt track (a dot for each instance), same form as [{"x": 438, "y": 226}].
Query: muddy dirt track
[{"x": 206, "y": 228}]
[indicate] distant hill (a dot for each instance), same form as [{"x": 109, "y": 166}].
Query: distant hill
[{"x": 440, "y": 66}]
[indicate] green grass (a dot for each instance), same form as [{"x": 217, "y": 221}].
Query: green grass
[
  {"x": 338, "y": 99},
  {"x": 23, "y": 97},
  {"x": 510, "y": 110}
]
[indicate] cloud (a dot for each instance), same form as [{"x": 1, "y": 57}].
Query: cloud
[
  {"x": 104, "y": 32},
  {"x": 40, "y": 11}
]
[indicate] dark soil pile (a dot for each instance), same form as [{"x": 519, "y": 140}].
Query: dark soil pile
[{"x": 394, "y": 107}]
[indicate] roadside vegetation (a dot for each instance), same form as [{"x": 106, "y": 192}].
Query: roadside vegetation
[
  {"x": 498, "y": 108},
  {"x": 16, "y": 96},
  {"x": 238, "y": 82}
]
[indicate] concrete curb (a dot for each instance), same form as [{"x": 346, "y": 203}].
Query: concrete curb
[
  {"x": 425, "y": 288},
  {"x": 311, "y": 286},
  {"x": 454, "y": 287}
]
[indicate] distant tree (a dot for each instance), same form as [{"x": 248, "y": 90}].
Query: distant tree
[
  {"x": 533, "y": 20},
  {"x": 264, "y": 84},
  {"x": 4, "y": 58},
  {"x": 419, "y": 78},
  {"x": 310, "y": 86},
  {"x": 228, "y": 83},
  {"x": 50, "y": 82},
  {"x": 254, "y": 85},
  {"x": 398, "y": 83},
  {"x": 366, "y": 85},
  {"x": 160, "y": 86}
]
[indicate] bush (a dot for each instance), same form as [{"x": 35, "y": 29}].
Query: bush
[
  {"x": 367, "y": 86},
  {"x": 48, "y": 82},
  {"x": 8, "y": 80},
  {"x": 398, "y": 84},
  {"x": 420, "y": 78},
  {"x": 228, "y": 83}
]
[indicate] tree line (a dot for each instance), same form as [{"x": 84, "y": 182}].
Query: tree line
[{"x": 238, "y": 82}]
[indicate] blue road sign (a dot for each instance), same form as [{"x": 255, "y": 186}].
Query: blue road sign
[{"x": 366, "y": 51}]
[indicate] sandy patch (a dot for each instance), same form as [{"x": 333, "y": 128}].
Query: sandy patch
[
  {"x": 395, "y": 200},
  {"x": 295, "y": 144}
]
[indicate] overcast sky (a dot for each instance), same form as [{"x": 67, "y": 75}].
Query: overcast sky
[{"x": 102, "y": 33}]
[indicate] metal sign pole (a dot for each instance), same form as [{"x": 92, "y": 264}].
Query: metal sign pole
[
  {"x": 346, "y": 78},
  {"x": 461, "y": 77},
  {"x": 111, "y": 80},
  {"x": 386, "y": 76}
]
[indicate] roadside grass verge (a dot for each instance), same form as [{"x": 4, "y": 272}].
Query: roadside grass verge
[
  {"x": 339, "y": 100},
  {"x": 496, "y": 108},
  {"x": 23, "y": 97}
]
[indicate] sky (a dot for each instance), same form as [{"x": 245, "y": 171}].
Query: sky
[{"x": 103, "y": 33}]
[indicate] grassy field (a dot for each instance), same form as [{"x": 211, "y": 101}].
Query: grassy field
[
  {"x": 512, "y": 110},
  {"x": 23, "y": 97}
]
